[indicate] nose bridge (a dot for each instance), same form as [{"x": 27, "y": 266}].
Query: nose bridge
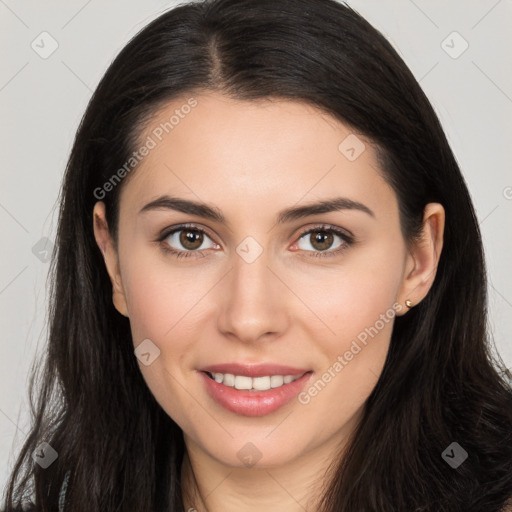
[
  {"x": 250, "y": 274},
  {"x": 253, "y": 302}
]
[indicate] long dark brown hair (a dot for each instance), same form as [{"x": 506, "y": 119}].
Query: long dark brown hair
[{"x": 442, "y": 382}]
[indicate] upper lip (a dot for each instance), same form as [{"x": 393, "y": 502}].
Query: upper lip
[{"x": 254, "y": 370}]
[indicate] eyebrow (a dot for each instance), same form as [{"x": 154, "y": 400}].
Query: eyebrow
[{"x": 288, "y": 215}]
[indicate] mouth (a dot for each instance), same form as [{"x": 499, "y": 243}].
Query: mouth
[{"x": 253, "y": 391}]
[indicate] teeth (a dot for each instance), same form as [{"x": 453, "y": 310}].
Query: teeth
[
  {"x": 242, "y": 382},
  {"x": 229, "y": 380},
  {"x": 253, "y": 384},
  {"x": 276, "y": 381}
]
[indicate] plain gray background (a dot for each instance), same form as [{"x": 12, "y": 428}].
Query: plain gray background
[{"x": 42, "y": 101}]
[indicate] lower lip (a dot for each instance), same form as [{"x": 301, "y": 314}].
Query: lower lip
[{"x": 254, "y": 403}]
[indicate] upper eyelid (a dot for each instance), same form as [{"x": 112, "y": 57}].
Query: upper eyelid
[{"x": 327, "y": 227}]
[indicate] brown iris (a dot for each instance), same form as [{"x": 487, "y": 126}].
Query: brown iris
[
  {"x": 191, "y": 239},
  {"x": 323, "y": 238}
]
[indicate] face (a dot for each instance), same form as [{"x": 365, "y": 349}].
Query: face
[{"x": 253, "y": 294}]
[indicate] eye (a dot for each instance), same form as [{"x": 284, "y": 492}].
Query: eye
[
  {"x": 185, "y": 240},
  {"x": 323, "y": 240}
]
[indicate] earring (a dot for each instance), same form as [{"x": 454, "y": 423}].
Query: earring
[{"x": 408, "y": 303}]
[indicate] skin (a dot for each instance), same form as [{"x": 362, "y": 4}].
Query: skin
[{"x": 251, "y": 160}]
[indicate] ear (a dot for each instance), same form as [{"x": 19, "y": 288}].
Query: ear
[
  {"x": 423, "y": 257},
  {"x": 106, "y": 245}
]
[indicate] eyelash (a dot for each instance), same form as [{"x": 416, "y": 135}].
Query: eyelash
[{"x": 347, "y": 239}]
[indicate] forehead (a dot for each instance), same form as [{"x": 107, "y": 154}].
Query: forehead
[{"x": 270, "y": 151}]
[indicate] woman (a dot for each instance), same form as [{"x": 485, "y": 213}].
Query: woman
[{"x": 269, "y": 290}]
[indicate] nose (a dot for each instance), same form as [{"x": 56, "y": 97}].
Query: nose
[{"x": 253, "y": 302}]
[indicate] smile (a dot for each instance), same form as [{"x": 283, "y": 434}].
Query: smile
[
  {"x": 253, "y": 396},
  {"x": 263, "y": 383}
]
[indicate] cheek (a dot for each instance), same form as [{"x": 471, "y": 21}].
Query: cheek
[
  {"x": 353, "y": 296},
  {"x": 165, "y": 307},
  {"x": 357, "y": 306},
  {"x": 163, "y": 297}
]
